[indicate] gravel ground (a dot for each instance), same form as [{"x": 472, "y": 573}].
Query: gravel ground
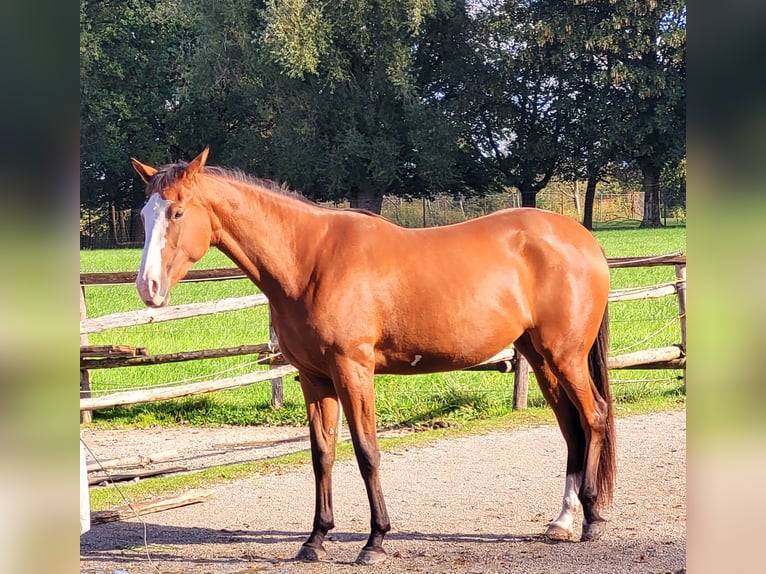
[{"x": 464, "y": 505}]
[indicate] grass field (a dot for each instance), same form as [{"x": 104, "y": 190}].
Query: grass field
[{"x": 414, "y": 400}]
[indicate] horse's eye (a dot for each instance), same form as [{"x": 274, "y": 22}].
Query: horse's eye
[{"x": 178, "y": 214}]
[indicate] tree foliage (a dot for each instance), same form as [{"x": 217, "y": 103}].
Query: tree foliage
[
  {"x": 642, "y": 47},
  {"x": 348, "y": 71},
  {"x": 513, "y": 101},
  {"x": 132, "y": 57},
  {"x": 354, "y": 99}
]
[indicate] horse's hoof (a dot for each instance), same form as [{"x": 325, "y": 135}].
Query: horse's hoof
[
  {"x": 593, "y": 531},
  {"x": 370, "y": 556},
  {"x": 557, "y": 533},
  {"x": 311, "y": 554}
]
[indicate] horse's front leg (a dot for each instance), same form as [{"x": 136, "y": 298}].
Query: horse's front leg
[
  {"x": 354, "y": 382},
  {"x": 322, "y": 410}
]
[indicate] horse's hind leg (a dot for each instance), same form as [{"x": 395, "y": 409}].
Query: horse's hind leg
[
  {"x": 570, "y": 367},
  {"x": 322, "y": 409},
  {"x": 568, "y": 420},
  {"x": 595, "y": 414},
  {"x": 562, "y": 527}
]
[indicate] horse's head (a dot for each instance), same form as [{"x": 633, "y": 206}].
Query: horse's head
[{"x": 176, "y": 224}]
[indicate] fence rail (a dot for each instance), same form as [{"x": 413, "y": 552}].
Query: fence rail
[
  {"x": 172, "y": 313},
  {"x": 672, "y": 357},
  {"x": 185, "y": 390}
]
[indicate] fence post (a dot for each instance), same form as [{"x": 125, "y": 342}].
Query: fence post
[
  {"x": 681, "y": 290},
  {"x": 85, "y": 416},
  {"x": 520, "y": 381},
  {"x": 277, "y": 391}
]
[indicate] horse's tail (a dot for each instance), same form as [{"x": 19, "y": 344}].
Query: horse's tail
[{"x": 597, "y": 364}]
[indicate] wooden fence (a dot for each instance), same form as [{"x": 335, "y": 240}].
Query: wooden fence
[{"x": 112, "y": 356}]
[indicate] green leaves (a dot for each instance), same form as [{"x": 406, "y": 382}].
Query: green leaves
[
  {"x": 297, "y": 35},
  {"x": 412, "y": 97},
  {"x": 132, "y": 62}
]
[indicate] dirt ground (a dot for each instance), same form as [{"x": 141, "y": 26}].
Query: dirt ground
[{"x": 464, "y": 505}]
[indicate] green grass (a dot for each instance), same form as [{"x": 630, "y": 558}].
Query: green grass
[
  {"x": 455, "y": 397},
  {"x": 637, "y": 325}
]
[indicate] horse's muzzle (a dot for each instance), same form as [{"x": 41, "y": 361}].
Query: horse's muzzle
[
  {"x": 152, "y": 295},
  {"x": 156, "y": 305}
]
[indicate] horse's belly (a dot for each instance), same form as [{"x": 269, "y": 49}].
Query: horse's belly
[
  {"x": 445, "y": 338},
  {"x": 419, "y": 360}
]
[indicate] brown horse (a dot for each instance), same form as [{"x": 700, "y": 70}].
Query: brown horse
[{"x": 352, "y": 295}]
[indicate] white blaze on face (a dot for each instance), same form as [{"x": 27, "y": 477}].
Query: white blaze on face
[{"x": 149, "y": 280}]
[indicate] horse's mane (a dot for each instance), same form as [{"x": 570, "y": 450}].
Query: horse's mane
[
  {"x": 168, "y": 174},
  {"x": 268, "y": 184}
]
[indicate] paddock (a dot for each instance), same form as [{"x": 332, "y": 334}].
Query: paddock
[
  {"x": 411, "y": 539},
  {"x": 484, "y": 513}
]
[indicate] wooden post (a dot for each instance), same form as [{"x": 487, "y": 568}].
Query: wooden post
[
  {"x": 277, "y": 391},
  {"x": 561, "y": 194},
  {"x": 149, "y": 506},
  {"x": 85, "y": 416},
  {"x": 339, "y": 430},
  {"x": 681, "y": 290},
  {"x": 520, "y": 381},
  {"x": 600, "y": 207}
]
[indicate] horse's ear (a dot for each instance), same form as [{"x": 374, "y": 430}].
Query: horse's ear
[
  {"x": 195, "y": 166},
  {"x": 144, "y": 171}
]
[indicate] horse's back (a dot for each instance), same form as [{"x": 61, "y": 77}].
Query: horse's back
[
  {"x": 517, "y": 224},
  {"x": 523, "y": 239},
  {"x": 524, "y": 249}
]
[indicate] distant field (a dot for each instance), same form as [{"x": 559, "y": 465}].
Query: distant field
[{"x": 401, "y": 400}]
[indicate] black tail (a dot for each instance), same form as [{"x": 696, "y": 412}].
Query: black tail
[{"x": 599, "y": 372}]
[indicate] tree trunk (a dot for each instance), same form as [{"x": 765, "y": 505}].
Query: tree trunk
[
  {"x": 577, "y": 206},
  {"x": 651, "y": 195},
  {"x": 528, "y": 197},
  {"x": 113, "y": 224},
  {"x": 367, "y": 199},
  {"x": 590, "y": 196}
]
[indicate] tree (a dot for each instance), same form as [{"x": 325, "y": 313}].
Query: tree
[
  {"x": 624, "y": 64},
  {"x": 445, "y": 65},
  {"x": 565, "y": 34},
  {"x": 326, "y": 95},
  {"x": 131, "y": 62},
  {"x": 510, "y": 104},
  {"x": 227, "y": 99},
  {"x": 645, "y": 43},
  {"x": 358, "y": 98}
]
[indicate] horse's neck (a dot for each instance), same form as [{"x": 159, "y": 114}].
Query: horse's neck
[{"x": 271, "y": 237}]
